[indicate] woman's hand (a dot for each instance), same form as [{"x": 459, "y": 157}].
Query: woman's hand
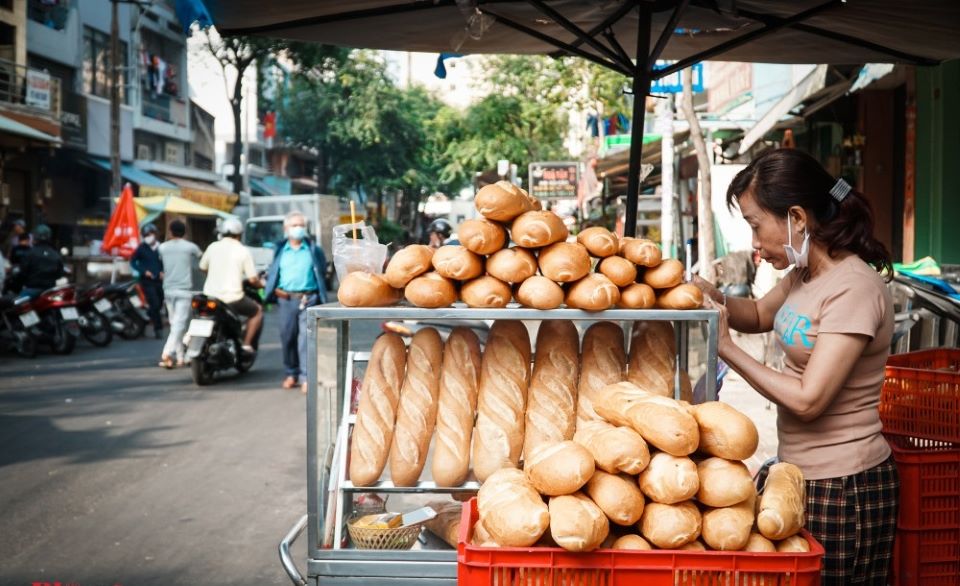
[
  {"x": 708, "y": 289},
  {"x": 724, "y": 340}
]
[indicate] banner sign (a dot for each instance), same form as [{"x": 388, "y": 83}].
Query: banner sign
[{"x": 553, "y": 180}]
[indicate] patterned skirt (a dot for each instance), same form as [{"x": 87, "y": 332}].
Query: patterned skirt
[{"x": 855, "y": 518}]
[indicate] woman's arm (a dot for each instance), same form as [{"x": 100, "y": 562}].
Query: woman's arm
[{"x": 747, "y": 315}]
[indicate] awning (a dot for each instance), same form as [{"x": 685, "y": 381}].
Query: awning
[
  {"x": 11, "y": 126},
  {"x": 150, "y": 185},
  {"x": 870, "y": 73},
  {"x": 148, "y": 208},
  {"x": 809, "y": 85},
  {"x": 259, "y": 187},
  {"x": 204, "y": 193}
]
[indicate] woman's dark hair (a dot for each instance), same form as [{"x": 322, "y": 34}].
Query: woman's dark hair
[{"x": 782, "y": 178}]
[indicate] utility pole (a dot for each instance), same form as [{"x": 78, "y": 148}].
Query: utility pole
[{"x": 115, "y": 66}]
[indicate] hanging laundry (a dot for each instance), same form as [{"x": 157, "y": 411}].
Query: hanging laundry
[{"x": 593, "y": 125}]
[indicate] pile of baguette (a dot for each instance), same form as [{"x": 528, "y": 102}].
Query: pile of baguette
[
  {"x": 543, "y": 270},
  {"x": 591, "y": 427}
]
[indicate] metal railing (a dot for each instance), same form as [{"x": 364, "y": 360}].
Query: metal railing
[
  {"x": 165, "y": 108},
  {"x": 30, "y": 89}
]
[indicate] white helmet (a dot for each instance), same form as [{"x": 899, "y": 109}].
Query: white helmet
[{"x": 231, "y": 226}]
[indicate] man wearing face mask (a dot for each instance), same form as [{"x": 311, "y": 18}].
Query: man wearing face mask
[
  {"x": 295, "y": 282},
  {"x": 147, "y": 262}
]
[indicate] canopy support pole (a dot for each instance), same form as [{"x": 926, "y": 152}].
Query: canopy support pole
[{"x": 641, "y": 87}]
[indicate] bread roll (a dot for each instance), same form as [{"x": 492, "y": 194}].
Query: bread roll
[
  {"x": 486, "y": 291},
  {"x": 617, "y": 495},
  {"x": 670, "y": 526},
  {"x": 619, "y": 270},
  {"x": 637, "y": 296},
  {"x": 623, "y": 244},
  {"x": 632, "y": 541},
  {"x": 407, "y": 263},
  {"x": 669, "y": 479},
  {"x": 536, "y": 229},
  {"x": 359, "y": 289},
  {"x": 684, "y": 296},
  {"x": 503, "y": 201},
  {"x": 725, "y": 432},
  {"x": 511, "y": 510},
  {"x": 668, "y": 273},
  {"x": 758, "y": 543},
  {"x": 552, "y": 396},
  {"x": 456, "y": 262},
  {"x": 417, "y": 411},
  {"x": 653, "y": 357},
  {"x": 577, "y": 523},
  {"x": 602, "y": 362},
  {"x": 564, "y": 262},
  {"x": 595, "y": 292},
  {"x": 459, "y": 380},
  {"x": 481, "y": 236},
  {"x": 540, "y": 293},
  {"x": 645, "y": 253},
  {"x": 512, "y": 265},
  {"x": 783, "y": 502},
  {"x": 723, "y": 483},
  {"x": 377, "y": 413},
  {"x": 615, "y": 449},
  {"x": 431, "y": 290},
  {"x": 481, "y": 535},
  {"x": 728, "y": 529},
  {"x": 663, "y": 422},
  {"x": 560, "y": 468},
  {"x": 695, "y": 545},
  {"x": 794, "y": 544},
  {"x": 599, "y": 241},
  {"x": 502, "y": 399}
]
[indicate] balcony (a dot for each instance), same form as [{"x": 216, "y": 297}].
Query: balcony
[
  {"x": 165, "y": 109},
  {"x": 30, "y": 96}
]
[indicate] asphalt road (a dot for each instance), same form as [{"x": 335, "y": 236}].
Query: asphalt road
[{"x": 116, "y": 472}]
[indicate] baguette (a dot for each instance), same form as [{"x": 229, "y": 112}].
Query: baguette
[
  {"x": 619, "y": 270},
  {"x": 670, "y": 526},
  {"x": 632, "y": 541},
  {"x": 481, "y": 236},
  {"x": 431, "y": 290},
  {"x": 511, "y": 511},
  {"x": 724, "y": 483},
  {"x": 486, "y": 291},
  {"x": 577, "y": 523},
  {"x": 728, "y": 529},
  {"x": 409, "y": 262},
  {"x": 669, "y": 479},
  {"x": 615, "y": 449},
  {"x": 377, "y": 413},
  {"x": 502, "y": 399},
  {"x": 539, "y": 292},
  {"x": 602, "y": 362},
  {"x": 663, "y": 422},
  {"x": 793, "y": 544},
  {"x": 725, "y": 432},
  {"x": 512, "y": 265},
  {"x": 637, "y": 296},
  {"x": 642, "y": 252},
  {"x": 617, "y": 495},
  {"x": 759, "y": 543},
  {"x": 552, "y": 395},
  {"x": 653, "y": 357},
  {"x": 560, "y": 468},
  {"x": 456, "y": 262},
  {"x": 783, "y": 503},
  {"x": 564, "y": 262},
  {"x": 668, "y": 273},
  {"x": 503, "y": 201},
  {"x": 683, "y": 296},
  {"x": 535, "y": 229},
  {"x": 446, "y": 525},
  {"x": 459, "y": 380},
  {"x": 417, "y": 411},
  {"x": 360, "y": 289},
  {"x": 599, "y": 241},
  {"x": 594, "y": 292}
]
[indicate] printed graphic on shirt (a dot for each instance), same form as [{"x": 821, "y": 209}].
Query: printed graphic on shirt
[{"x": 793, "y": 327}]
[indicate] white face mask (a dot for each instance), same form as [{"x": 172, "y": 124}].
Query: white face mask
[
  {"x": 150, "y": 239},
  {"x": 798, "y": 259}
]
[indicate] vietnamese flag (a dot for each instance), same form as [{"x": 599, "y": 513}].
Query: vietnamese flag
[{"x": 123, "y": 232}]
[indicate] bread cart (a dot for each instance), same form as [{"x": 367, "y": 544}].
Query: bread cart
[{"x": 330, "y": 406}]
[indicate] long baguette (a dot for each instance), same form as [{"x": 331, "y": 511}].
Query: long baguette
[
  {"x": 552, "y": 397},
  {"x": 603, "y": 361},
  {"x": 459, "y": 380}
]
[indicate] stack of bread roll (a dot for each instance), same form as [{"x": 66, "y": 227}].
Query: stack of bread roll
[{"x": 544, "y": 269}]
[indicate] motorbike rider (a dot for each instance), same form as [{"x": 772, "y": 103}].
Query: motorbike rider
[
  {"x": 147, "y": 262},
  {"x": 438, "y": 233},
  {"x": 228, "y": 263},
  {"x": 40, "y": 266}
]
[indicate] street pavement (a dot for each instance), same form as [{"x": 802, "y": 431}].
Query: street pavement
[{"x": 116, "y": 472}]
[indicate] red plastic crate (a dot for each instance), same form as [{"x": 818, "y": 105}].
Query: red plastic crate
[
  {"x": 929, "y": 557},
  {"x": 929, "y": 483},
  {"x": 921, "y": 395},
  {"x": 543, "y": 566}
]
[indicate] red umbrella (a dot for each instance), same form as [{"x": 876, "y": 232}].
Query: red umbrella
[{"x": 123, "y": 234}]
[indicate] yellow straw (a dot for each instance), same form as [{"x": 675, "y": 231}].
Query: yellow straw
[{"x": 353, "y": 217}]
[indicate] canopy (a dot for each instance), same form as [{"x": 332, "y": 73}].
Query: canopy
[
  {"x": 614, "y": 33},
  {"x": 148, "y": 208},
  {"x": 150, "y": 185},
  {"x": 204, "y": 193},
  {"x": 21, "y": 130}
]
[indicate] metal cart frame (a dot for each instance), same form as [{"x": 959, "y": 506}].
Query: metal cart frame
[{"x": 329, "y": 420}]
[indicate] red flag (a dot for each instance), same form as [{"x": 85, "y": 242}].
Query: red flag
[{"x": 123, "y": 233}]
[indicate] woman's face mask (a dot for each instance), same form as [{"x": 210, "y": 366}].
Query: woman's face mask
[
  {"x": 150, "y": 239},
  {"x": 799, "y": 259}
]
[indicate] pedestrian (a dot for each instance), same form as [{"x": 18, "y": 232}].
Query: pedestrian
[
  {"x": 295, "y": 282},
  {"x": 228, "y": 264},
  {"x": 18, "y": 229},
  {"x": 40, "y": 266},
  {"x": 146, "y": 261},
  {"x": 178, "y": 256},
  {"x": 833, "y": 317}
]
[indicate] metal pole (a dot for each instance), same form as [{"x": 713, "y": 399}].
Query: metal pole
[
  {"x": 641, "y": 87},
  {"x": 115, "y": 66},
  {"x": 665, "y": 118}
]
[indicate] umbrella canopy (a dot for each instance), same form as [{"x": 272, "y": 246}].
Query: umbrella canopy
[
  {"x": 123, "y": 233},
  {"x": 148, "y": 208},
  {"x": 626, "y": 35}
]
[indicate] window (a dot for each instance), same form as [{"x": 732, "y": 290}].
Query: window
[
  {"x": 96, "y": 64},
  {"x": 50, "y": 13}
]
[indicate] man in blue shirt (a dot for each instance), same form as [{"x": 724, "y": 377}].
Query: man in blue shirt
[{"x": 295, "y": 282}]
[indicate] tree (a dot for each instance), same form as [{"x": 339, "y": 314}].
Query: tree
[{"x": 706, "y": 247}]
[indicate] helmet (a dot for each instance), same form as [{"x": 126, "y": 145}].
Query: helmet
[
  {"x": 441, "y": 227},
  {"x": 231, "y": 227},
  {"x": 148, "y": 229},
  {"x": 42, "y": 233}
]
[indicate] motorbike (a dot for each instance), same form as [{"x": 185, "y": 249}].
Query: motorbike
[
  {"x": 96, "y": 316},
  {"x": 17, "y": 319},
  {"x": 131, "y": 317},
  {"x": 59, "y": 319},
  {"x": 214, "y": 338}
]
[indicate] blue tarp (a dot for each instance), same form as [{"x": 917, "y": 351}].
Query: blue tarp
[{"x": 133, "y": 174}]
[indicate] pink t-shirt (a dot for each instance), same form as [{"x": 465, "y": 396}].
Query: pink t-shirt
[{"x": 850, "y": 298}]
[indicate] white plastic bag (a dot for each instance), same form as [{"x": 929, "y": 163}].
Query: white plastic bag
[{"x": 363, "y": 254}]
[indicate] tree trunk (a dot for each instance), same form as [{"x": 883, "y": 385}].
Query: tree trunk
[
  {"x": 706, "y": 246},
  {"x": 322, "y": 174},
  {"x": 236, "y": 103}
]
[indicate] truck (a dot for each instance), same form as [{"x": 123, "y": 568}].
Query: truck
[{"x": 263, "y": 228}]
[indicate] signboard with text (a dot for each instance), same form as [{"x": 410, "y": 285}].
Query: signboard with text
[
  {"x": 673, "y": 83},
  {"x": 38, "y": 89},
  {"x": 554, "y": 180}
]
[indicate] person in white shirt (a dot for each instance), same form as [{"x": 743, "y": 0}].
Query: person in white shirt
[
  {"x": 228, "y": 263},
  {"x": 179, "y": 256}
]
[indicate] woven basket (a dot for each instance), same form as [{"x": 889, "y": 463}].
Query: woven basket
[{"x": 392, "y": 538}]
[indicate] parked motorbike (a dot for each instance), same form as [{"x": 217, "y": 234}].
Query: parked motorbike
[
  {"x": 214, "y": 338},
  {"x": 59, "y": 319},
  {"x": 95, "y": 311},
  {"x": 131, "y": 318},
  {"x": 17, "y": 319}
]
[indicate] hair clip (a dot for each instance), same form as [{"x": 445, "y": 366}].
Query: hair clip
[{"x": 840, "y": 190}]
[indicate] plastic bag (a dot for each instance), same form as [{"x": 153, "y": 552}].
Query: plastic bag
[{"x": 363, "y": 254}]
